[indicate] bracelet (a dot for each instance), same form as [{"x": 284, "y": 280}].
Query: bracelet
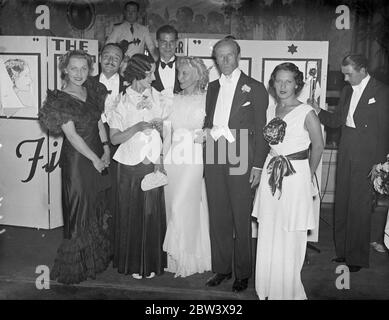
[{"x": 105, "y": 143}]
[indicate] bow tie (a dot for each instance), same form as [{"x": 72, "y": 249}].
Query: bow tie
[{"x": 169, "y": 64}]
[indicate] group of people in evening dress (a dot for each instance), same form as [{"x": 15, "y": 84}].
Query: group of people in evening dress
[{"x": 201, "y": 220}]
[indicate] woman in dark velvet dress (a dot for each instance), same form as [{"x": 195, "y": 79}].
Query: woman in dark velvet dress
[{"x": 75, "y": 111}]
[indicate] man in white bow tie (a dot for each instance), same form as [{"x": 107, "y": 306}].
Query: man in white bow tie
[
  {"x": 235, "y": 152},
  {"x": 363, "y": 115}
]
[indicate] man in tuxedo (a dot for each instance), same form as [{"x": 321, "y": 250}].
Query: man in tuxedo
[
  {"x": 137, "y": 35},
  {"x": 110, "y": 59},
  {"x": 165, "y": 68},
  {"x": 235, "y": 115},
  {"x": 363, "y": 115}
]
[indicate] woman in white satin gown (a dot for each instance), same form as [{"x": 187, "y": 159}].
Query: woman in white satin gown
[
  {"x": 284, "y": 199},
  {"x": 187, "y": 240}
]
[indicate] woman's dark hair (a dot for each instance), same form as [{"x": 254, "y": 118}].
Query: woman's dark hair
[
  {"x": 291, "y": 67},
  {"x": 64, "y": 60},
  {"x": 137, "y": 66}
]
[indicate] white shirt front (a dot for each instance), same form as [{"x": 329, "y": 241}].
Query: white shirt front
[
  {"x": 357, "y": 93},
  {"x": 168, "y": 75},
  {"x": 132, "y": 108},
  {"x": 223, "y": 106},
  {"x": 111, "y": 84}
]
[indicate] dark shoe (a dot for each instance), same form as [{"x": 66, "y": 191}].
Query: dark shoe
[
  {"x": 217, "y": 279},
  {"x": 353, "y": 268},
  {"x": 240, "y": 285},
  {"x": 338, "y": 260}
]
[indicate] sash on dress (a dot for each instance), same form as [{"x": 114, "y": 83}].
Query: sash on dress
[{"x": 280, "y": 167}]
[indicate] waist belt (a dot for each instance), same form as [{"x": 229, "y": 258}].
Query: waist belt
[{"x": 280, "y": 167}]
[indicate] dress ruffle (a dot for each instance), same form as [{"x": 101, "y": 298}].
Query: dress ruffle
[
  {"x": 60, "y": 107},
  {"x": 84, "y": 255},
  {"x": 180, "y": 262}
]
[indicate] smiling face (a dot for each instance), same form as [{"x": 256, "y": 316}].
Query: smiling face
[
  {"x": 167, "y": 44},
  {"x": 285, "y": 84},
  {"x": 353, "y": 76},
  {"x": 23, "y": 80},
  {"x": 188, "y": 77},
  {"x": 227, "y": 58},
  {"x": 146, "y": 82},
  {"x": 111, "y": 57},
  {"x": 77, "y": 70}
]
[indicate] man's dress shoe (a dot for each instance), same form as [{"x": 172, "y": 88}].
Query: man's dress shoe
[
  {"x": 240, "y": 285},
  {"x": 217, "y": 279},
  {"x": 338, "y": 260},
  {"x": 352, "y": 268}
]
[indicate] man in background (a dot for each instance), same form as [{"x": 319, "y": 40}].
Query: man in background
[
  {"x": 137, "y": 35},
  {"x": 165, "y": 69},
  {"x": 363, "y": 115}
]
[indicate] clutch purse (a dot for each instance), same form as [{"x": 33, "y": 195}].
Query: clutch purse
[{"x": 153, "y": 180}]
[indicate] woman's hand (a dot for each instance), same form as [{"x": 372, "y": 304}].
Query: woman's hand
[
  {"x": 157, "y": 124},
  {"x": 200, "y": 136},
  {"x": 159, "y": 167},
  {"x": 106, "y": 157},
  {"x": 99, "y": 165},
  {"x": 142, "y": 126}
]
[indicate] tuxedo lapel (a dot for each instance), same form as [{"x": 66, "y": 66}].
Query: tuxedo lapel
[
  {"x": 366, "y": 95},
  {"x": 177, "y": 87},
  {"x": 157, "y": 83},
  {"x": 239, "y": 95},
  {"x": 214, "y": 93},
  {"x": 122, "y": 87}
]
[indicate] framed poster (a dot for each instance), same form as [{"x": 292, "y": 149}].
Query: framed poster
[{"x": 22, "y": 86}]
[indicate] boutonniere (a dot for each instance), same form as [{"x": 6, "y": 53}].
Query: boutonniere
[
  {"x": 144, "y": 103},
  {"x": 126, "y": 83},
  {"x": 246, "y": 88}
]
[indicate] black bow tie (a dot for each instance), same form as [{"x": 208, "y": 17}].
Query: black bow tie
[{"x": 169, "y": 64}]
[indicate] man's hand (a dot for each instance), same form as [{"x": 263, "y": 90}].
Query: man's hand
[
  {"x": 313, "y": 103},
  {"x": 255, "y": 177}
]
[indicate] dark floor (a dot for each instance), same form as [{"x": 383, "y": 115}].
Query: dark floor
[{"x": 23, "y": 249}]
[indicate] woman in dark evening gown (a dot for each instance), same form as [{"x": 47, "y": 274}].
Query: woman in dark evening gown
[{"x": 76, "y": 111}]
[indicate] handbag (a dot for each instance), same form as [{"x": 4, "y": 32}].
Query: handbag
[{"x": 153, "y": 180}]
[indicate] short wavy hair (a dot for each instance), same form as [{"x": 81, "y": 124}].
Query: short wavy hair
[
  {"x": 200, "y": 67},
  {"x": 291, "y": 67},
  {"x": 137, "y": 66},
  {"x": 15, "y": 67},
  {"x": 65, "y": 58}
]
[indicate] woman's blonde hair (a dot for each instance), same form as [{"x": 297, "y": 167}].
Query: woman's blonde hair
[{"x": 200, "y": 67}]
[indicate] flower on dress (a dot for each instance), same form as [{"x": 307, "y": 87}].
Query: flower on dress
[
  {"x": 274, "y": 131},
  {"x": 246, "y": 88},
  {"x": 379, "y": 176},
  {"x": 144, "y": 103}
]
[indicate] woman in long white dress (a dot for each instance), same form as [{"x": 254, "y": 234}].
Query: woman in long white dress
[
  {"x": 187, "y": 236},
  {"x": 284, "y": 201}
]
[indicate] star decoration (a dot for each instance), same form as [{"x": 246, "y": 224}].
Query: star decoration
[{"x": 292, "y": 49}]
